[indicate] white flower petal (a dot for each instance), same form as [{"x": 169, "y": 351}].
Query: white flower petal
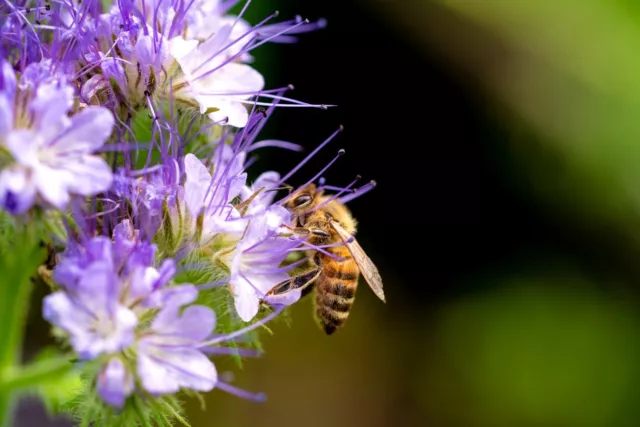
[
  {"x": 23, "y": 145},
  {"x": 179, "y": 48},
  {"x": 196, "y": 185},
  {"x": 90, "y": 175},
  {"x": 6, "y": 117},
  {"x": 89, "y": 130},
  {"x": 163, "y": 371},
  {"x": 50, "y": 107},
  {"x": 246, "y": 301},
  {"x": 233, "y": 113},
  {"x": 52, "y": 185}
]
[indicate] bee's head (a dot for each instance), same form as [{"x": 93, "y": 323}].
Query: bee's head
[{"x": 303, "y": 201}]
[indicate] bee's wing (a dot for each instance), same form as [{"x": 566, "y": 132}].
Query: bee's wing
[{"x": 367, "y": 267}]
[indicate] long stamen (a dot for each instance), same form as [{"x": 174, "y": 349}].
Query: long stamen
[
  {"x": 340, "y": 154},
  {"x": 278, "y": 309},
  {"x": 359, "y": 192},
  {"x": 243, "y": 352},
  {"x": 276, "y": 143},
  {"x": 313, "y": 153},
  {"x": 334, "y": 197},
  {"x": 256, "y": 397}
]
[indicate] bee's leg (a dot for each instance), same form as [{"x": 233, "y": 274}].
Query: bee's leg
[
  {"x": 242, "y": 206},
  {"x": 302, "y": 282},
  {"x": 305, "y": 231}
]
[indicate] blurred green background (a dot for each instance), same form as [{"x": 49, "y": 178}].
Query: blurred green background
[{"x": 505, "y": 138}]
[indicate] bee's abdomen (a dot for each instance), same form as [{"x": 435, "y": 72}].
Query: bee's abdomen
[{"x": 336, "y": 289}]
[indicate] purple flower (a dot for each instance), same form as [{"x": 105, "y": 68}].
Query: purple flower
[
  {"x": 168, "y": 354},
  {"x": 52, "y": 157},
  {"x": 255, "y": 262},
  {"x": 104, "y": 285},
  {"x": 107, "y": 286},
  {"x": 92, "y": 315},
  {"x": 211, "y": 195},
  {"x": 220, "y": 87},
  {"x": 115, "y": 382}
]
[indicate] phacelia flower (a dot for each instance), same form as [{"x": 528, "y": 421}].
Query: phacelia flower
[
  {"x": 115, "y": 304},
  {"x": 49, "y": 155},
  {"x": 139, "y": 120}
]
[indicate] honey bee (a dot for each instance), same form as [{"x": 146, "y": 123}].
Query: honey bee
[{"x": 335, "y": 273}]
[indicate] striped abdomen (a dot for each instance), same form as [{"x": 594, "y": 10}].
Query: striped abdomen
[{"x": 335, "y": 288}]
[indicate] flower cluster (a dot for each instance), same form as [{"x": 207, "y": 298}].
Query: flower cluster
[{"x": 136, "y": 123}]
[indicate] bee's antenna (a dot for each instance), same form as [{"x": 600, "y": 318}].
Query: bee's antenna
[{"x": 335, "y": 196}]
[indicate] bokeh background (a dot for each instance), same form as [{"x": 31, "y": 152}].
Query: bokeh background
[{"x": 505, "y": 139}]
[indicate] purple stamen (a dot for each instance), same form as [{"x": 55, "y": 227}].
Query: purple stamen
[
  {"x": 359, "y": 192},
  {"x": 256, "y": 397},
  {"x": 243, "y": 352},
  {"x": 276, "y": 143},
  {"x": 313, "y": 153},
  {"x": 278, "y": 309},
  {"x": 340, "y": 154}
]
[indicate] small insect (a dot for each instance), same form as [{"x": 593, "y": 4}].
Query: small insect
[{"x": 329, "y": 224}]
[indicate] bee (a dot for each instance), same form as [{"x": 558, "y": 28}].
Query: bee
[{"x": 336, "y": 268}]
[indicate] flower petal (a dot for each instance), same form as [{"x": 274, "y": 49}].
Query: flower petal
[
  {"x": 60, "y": 310},
  {"x": 17, "y": 192},
  {"x": 52, "y": 185},
  {"x": 90, "y": 175},
  {"x": 196, "y": 185},
  {"x": 50, "y": 108},
  {"x": 8, "y": 81},
  {"x": 193, "y": 325},
  {"x": 6, "y": 116},
  {"x": 23, "y": 145},
  {"x": 89, "y": 130},
  {"x": 247, "y": 302},
  {"x": 115, "y": 383},
  {"x": 164, "y": 371}
]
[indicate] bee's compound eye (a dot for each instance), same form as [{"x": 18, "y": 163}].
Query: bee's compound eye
[{"x": 301, "y": 200}]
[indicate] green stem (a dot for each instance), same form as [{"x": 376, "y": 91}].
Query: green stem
[
  {"x": 36, "y": 373},
  {"x": 19, "y": 261},
  {"x": 14, "y": 309},
  {"x": 6, "y": 409}
]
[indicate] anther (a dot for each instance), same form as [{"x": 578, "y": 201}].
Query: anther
[
  {"x": 291, "y": 87},
  {"x": 341, "y": 152},
  {"x": 340, "y": 128}
]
